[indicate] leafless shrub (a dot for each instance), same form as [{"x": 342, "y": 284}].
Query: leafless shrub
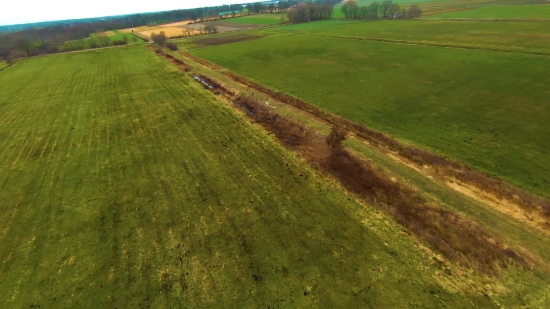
[
  {"x": 546, "y": 208},
  {"x": 172, "y": 46},
  {"x": 336, "y": 138}
]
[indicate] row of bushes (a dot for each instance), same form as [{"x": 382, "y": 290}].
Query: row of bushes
[{"x": 162, "y": 40}]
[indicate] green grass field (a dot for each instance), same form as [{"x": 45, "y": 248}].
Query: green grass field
[
  {"x": 3, "y": 64},
  {"x": 125, "y": 184},
  {"x": 514, "y": 11},
  {"x": 470, "y": 105},
  {"x": 506, "y": 36},
  {"x": 260, "y": 19},
  {"x": 87, "y": 43},
  {"x": 119, "y": 36}
]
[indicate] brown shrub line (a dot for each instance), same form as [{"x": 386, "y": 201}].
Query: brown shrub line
[
  {"x": 440, "y": 165},
  {"x": 446, "y": 232},
  {"x": 177, "y": 62}
]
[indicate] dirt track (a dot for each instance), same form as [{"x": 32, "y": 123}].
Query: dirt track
[{"x": 222, "y": 27}]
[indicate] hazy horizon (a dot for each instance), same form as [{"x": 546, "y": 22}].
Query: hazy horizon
[{"x": 14, "y": 13}]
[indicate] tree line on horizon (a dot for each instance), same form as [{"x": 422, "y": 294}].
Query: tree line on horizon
[
  {"x": 47, "y": 39},
  {"x": 386, "y": 9}
]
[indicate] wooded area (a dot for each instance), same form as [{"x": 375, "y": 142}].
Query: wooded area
[{"x": 42, "y": 39}]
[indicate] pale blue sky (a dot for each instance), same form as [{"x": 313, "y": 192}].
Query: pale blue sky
[{"x": 19, "y": 11}]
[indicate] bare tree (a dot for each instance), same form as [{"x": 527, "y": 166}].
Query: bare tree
[
  {"x": 374, "y": 9},
  {"x": 386, "y": 7},
  {"x": 394, "y": 8},
  {"x": 25, "y": 45},
  {"x": 414, "y": 12},
  {"x": 160, "y": 38},
  {"x": 104, "y": 40}
]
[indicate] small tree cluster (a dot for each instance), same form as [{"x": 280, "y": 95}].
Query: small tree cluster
[
  {"x": 172, "y": 46},
  {"x": 160, "y": 38},
  {"x": 124, "y": 41},
  {"x": 386, "y": 9},
  {"x": 309, "y": 11},
  {"x": 211, "y": 28}
]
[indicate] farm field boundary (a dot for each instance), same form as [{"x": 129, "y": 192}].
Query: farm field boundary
[
  {"x": 453, "y": 170},
  {"x": 429, "y": 44},
  {"x": 410, "y": 210},
  {"x": 486, "y": 19},
  {"x": 443, "y": 167}
]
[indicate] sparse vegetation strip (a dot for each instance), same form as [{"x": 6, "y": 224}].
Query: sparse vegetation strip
[
  {"x": 445, "y": 231},
  {"x": 440, "y": 165},
  {"x": 537, "y": 53}
]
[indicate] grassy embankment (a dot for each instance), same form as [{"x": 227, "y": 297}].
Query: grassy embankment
[
  {"x": 125, "y": 184},
  {"x": 513, "y": 12},
  {"x": 469, "y": 105}
]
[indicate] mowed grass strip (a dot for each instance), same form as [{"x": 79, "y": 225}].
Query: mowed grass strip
[
  {"x": 260, "y": 19},
  {"x": 512, "y": 11},
  {"x": 471, "y": 106},
  {"x": 506, "y": 36},
  {"x": 125, "y": 184}
]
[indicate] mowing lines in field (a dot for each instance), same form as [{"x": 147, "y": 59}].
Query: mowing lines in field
[{"x": 14, "y": 122}]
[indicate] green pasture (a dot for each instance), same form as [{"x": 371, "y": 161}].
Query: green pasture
[
  {"x": 505, "y": 36},
  {"x": 87, "y": 43},
  {"x": 486, "y": 109},
  {"x": 260, "y": 19},
  {"x": 119, "y": 36},
  {"x": 511, "y": 11},
  {"x": 126, "y": 185}
]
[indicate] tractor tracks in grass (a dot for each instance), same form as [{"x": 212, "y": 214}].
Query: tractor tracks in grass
[
  {"x": 490, "y": 19},
  {"x": 422, "y": 43}
]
